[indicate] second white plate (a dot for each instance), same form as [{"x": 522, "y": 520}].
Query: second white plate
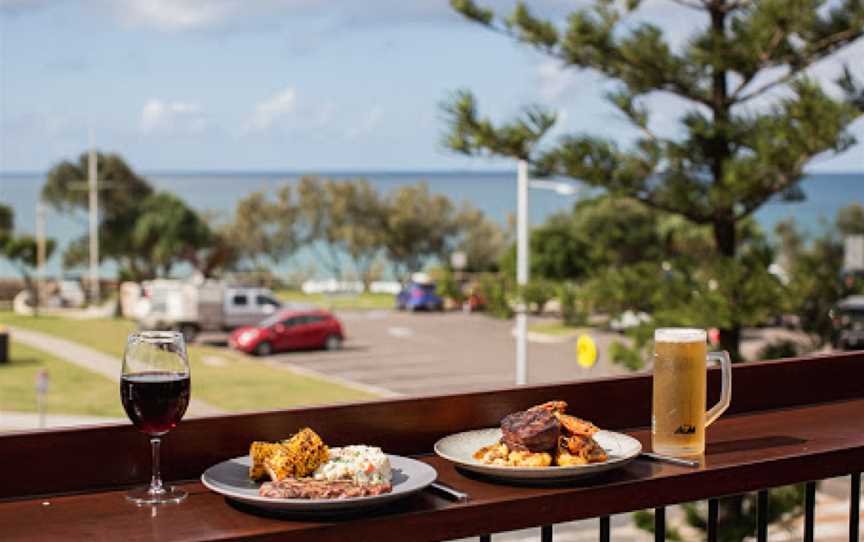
[{"x": 460, "y": 447}]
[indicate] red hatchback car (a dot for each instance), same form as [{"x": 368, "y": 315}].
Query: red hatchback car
[{"x": 290, "y": 330}]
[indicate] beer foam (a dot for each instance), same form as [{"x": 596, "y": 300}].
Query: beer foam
[{"x": 679, "y": 335}]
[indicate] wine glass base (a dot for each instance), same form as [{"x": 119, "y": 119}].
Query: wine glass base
[{"x": 144, "y": 495}]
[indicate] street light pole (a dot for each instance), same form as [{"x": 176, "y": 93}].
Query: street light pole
[
  {"x": 94, "y": 223},
  {"x": 40, "y": 251},
  {"x": 521, "y": 271}
]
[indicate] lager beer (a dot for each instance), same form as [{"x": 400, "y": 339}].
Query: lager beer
[{"x": 678, "y": 418}]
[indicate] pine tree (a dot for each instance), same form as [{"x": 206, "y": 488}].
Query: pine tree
[{"x": 754, "y": 121}]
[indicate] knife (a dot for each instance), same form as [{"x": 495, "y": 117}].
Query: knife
[
  {"x": 448, "y": 492},
  {"x": 672, "y": 460}
]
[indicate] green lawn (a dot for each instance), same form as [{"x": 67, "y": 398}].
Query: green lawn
[
  {"x": 222, "y": 378},
  {"x": 556, "y": 328},
  {"x": 71, "y": 390},
  {"x": 346, "y": 301}
]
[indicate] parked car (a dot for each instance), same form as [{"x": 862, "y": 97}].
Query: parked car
[
  {"x": 847, "y": 318},
  {"x": 474, "y": 302},
  {"x": 419, "y": 296},
  {"x": 290, "y": 330}
]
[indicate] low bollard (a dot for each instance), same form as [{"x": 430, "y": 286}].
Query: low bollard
[{"x": 4, "y": 344}]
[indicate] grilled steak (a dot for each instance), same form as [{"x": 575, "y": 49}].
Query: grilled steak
[
  {"x": 309, "y": 488},
  {"x": 535, "y": 430}
]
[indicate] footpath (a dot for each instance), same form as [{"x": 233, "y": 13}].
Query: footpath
[
  {"x": 92, "y": 360},
  {"x": 23, "y": 421}
]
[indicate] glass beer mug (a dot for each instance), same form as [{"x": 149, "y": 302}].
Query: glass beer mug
[{"x": 678, "y": 418}]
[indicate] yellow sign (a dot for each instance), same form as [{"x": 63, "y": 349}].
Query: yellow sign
[{"x": 586, "y": 351}]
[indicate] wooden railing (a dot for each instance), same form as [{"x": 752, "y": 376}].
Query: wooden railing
[{"x": 791, "y": 421}]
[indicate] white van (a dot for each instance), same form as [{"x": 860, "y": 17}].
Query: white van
[{"x": 207, "y": 306}]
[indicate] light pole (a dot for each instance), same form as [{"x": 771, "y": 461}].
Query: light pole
[
  {"x": 94, "y": 222},
  {"x": 40, "y": 251},
  {"x": 91, "y": 185},
  {"x": 522, "y": 257},
  {"x": 521, "y": 271}
]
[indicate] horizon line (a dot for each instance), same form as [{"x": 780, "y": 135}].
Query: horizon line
[{"x": 342, "y": 171}]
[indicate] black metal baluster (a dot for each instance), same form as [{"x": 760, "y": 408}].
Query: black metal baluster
[
  {"x": 713, "y": 511},
  {"x": 546, "y": 533},
  {"x": 604, "y": 529},
  {"x": 660, "y": 524},
  {"x": 854, "y": 506},
  {"x": 809, "y": 510},
  {"x": 762, "y": 516},
  {"x": 485, "y": 538}
]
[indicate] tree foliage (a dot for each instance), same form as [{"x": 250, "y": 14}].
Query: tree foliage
[
  {"x": 146, "y": 232},
  {"x": 21, "y": 251},
  {"x": 418, "y": 227},
  {"x": 735, "y": 152},
  {"x": 167, "y": 231},
  {"x": 343, "y": 221},
  {"x": 121, "y": 189},
  {"x": 814, "y": 268}
]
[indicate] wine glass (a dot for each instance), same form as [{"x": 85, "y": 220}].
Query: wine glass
[{"x": 154, "y": 388}]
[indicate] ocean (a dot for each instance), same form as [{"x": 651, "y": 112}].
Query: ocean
[{"x": 494, "y": 192}]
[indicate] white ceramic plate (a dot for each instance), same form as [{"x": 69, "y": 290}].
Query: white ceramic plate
[
  {"x": 231, "y": 478},
  {"x": 460, "y": 448}
]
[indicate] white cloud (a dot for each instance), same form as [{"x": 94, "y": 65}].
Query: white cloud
[
  {"x": 271, "y": 110},
  {"x": 185, "y": 15},
  {"x": 175, "y": 15},
  {"x": 173, "y": 117},
  {"x": 555, "y": 82},
  {"x": 367, "y": 124}
]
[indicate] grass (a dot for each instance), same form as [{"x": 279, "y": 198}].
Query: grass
[
  {"x": 71, "y": 389},
  {"x": 223, "y": 378},
  {"x": 557, "y": 328},
  {"x": 346, "y": 301}
]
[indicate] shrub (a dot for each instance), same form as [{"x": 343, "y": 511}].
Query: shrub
[
  {"x": 495, "y": 290},
  {"x": 574, "y": 311},
  {"x": 626, "y": 356},
  {"x": 448, "y": 287},
  {"x": 783, "y": 348},
  {"x": 536, "y": 294}
]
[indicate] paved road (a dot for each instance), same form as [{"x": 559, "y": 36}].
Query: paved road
[
  {"x": 441, "y": 353},
  {"x": 420, "y": 353}
]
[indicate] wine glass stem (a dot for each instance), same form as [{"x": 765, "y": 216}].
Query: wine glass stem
[{"x": 156, "y": 479}]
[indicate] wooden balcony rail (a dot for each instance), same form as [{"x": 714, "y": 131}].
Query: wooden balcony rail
[{"x": 797, "y": 420}]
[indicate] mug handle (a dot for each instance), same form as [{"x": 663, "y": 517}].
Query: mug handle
[{"x": 725, "y": 387}]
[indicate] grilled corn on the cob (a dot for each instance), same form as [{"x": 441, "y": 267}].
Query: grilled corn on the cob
[
  {"x": 258, "y": 452},
  {"x": 296, "y": 457}
]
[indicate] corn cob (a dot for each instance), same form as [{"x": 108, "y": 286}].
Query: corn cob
[
  {"x": 297, "y": 457},
  {"x": 258, "y": 452}
]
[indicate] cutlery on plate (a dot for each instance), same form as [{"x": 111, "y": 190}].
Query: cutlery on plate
[
  {"x": 448, "y": 492},
  {"x": 672, "y": 460}
]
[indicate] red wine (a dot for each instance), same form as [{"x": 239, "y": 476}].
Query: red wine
[{"x": 155, "y": 401}]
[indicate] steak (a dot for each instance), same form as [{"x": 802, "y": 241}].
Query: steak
[
  {"x": 535, "y": 430},
  {"x": 308, "y": 488}
]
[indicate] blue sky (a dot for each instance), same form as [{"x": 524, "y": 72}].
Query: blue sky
[{"x": 307, "y": 85}]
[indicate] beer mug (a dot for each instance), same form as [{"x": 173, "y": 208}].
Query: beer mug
[{"x": 678, "y": 418}]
